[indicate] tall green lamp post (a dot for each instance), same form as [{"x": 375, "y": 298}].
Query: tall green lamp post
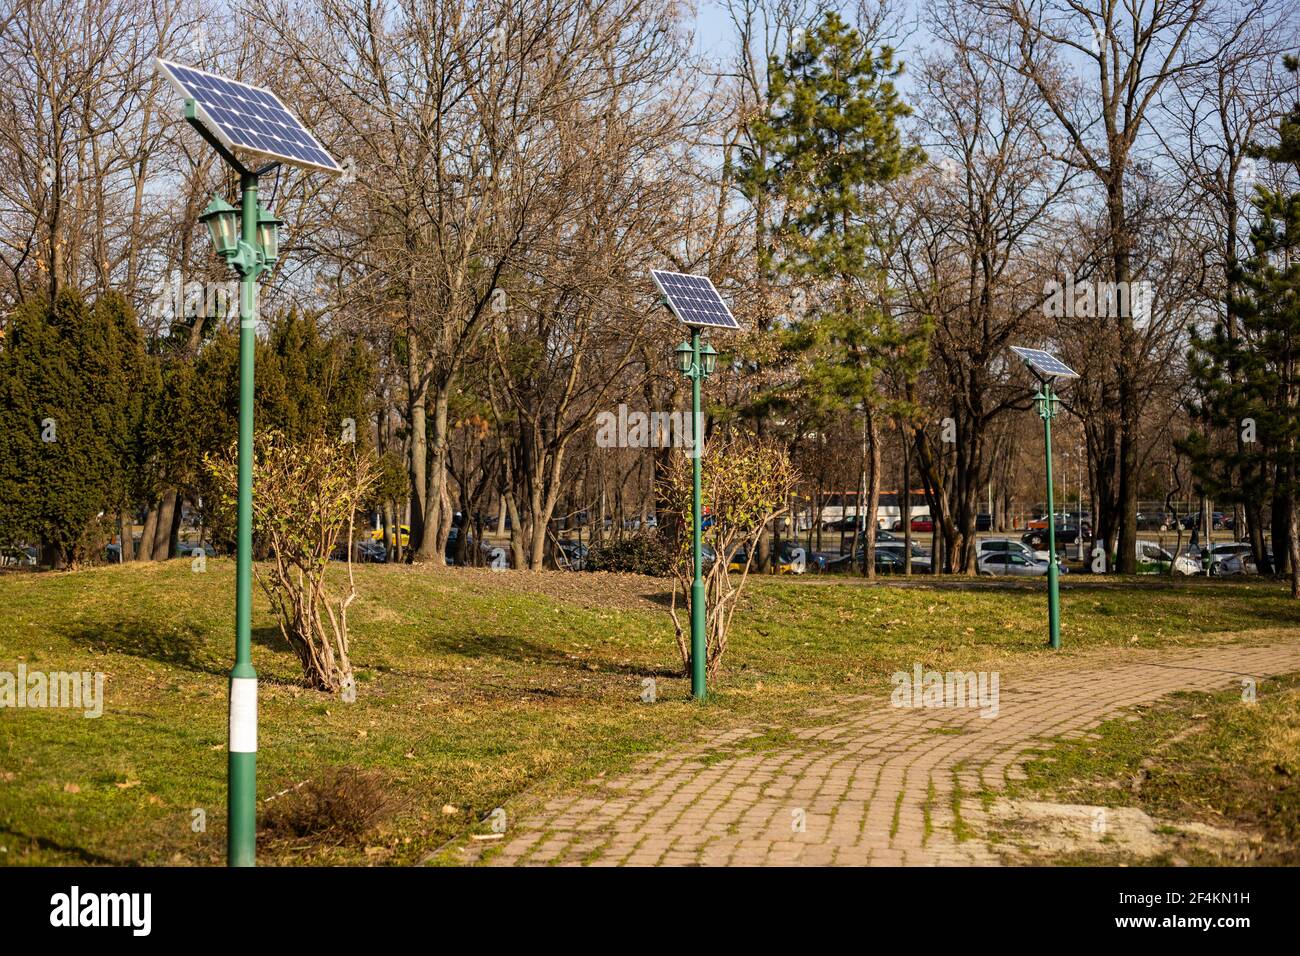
[
  {"x": 695, "y": 302},
  {"x": 697, "y": 363},
  {"x": 1047, "y": 368},
  {"x": 235, "y": 118},
  {"x": 248, "y": 239},
  {"x": 1046, "y": 403}
]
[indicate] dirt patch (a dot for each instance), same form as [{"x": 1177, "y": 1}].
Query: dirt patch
[{"x": 1034, "y": 831}]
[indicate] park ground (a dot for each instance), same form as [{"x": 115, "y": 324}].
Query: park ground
[{"x": 526, "y": 694}]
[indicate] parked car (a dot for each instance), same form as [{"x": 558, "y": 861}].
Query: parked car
[
  {"x": 372, "y": 552},
  {"x": 453, "y": 537},
  {"x": 786, "y": 563},
  {"x": 790, "y": 553},
  {"x": 1152, "y": 559},
  {"x": 571, "y": 555},
  {"x": 1195, "y": 520},
  {"x": 1231, "y": 564},
  {"x": 1010, "y": 563},
  {"x": 16, "y": 556},
  {"x": 377, "y": 534},
  {"x": 1003, "y": 545},
  {"x": 1063, "y": 519},
  {"x": 1231, "y": 558},
  {"x": 888, "y": 562},
  {"x": 1189, "y": 562},
  {"x": 892, "y": 562},
  {"x": 1065, "y": 534},
  {"x": 187, "y": 549},
  {"x": 921, "y": 563},
  {"x": 919, "y": 523},
  {"x": 1154, "y": 520}
]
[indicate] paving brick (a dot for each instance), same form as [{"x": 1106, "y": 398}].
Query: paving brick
[{"x": 875, "y": 782}]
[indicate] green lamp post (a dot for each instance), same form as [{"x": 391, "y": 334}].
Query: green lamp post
[
  {"x": 697, "y": 363},
  {"x": 1047, "y": 368},
  {"x": 1046, "y": 403},
  {"x": 248, "y": 239},
  {"x": 235, "y": 118}
]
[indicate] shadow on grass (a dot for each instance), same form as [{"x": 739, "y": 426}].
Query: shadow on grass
[
  {"x": 665, "y": 599},
  {"x": 520, "y": 650},
  {"x": 269, "y": 636},
  {"x": 78, "y": 854},
  {"x": 189, "y": 649},
  {"x": 186, "y": 649}
]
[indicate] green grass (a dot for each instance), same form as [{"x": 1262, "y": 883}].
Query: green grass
[
  {"x": 476, "y": 690},
  {"x": 1192, "y": 757}
]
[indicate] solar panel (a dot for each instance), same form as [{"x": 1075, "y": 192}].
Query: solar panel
[
  {"x": 248, "y": 119},
  {"x": 1045, "y": 363},
  {"x": 694, "y": 300}
]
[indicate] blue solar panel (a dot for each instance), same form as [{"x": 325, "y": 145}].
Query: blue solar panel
[
  {"x": 694, "y": 300},
  {"x": 248, "y": 119},
  {"x": 1045, "y": 363}
]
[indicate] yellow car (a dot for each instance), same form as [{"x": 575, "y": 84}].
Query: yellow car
[
  {"x": 785, "y": 564},
  {"x": 378, "y": 535}
]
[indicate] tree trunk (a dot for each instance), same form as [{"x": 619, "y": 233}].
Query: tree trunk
[
  {"x": 417, "y": 386},
  {"x": 905, "y": 502},
  {"x": 162, "y": 538},
  {"x": 126, "y": 537},
  {"x": 147, "y": 534},
  {"x": 433, "y": 543},
  {"x": 872, "y": 439}
]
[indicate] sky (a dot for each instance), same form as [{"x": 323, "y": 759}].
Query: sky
[{"x": 715, "y": 34}]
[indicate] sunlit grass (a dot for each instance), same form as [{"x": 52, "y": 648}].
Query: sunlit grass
[{"x": 476, "y": 690}]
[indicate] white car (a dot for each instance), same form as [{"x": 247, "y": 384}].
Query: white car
[
  {"x": 1227, "y": 559},
  {"x": 1233, "y": 557},
  {"x": 1010, "y": 563},
  {"x": 1003, "y": 545}
]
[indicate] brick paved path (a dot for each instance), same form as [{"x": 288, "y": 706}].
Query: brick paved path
[{"x": 875, "y": 785}]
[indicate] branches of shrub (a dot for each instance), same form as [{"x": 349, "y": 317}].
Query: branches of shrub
[
  {"x": 746, "y": 483},
  {"x": 306, "y": 494}
]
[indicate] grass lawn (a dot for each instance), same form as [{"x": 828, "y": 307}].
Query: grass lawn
[
  {"x": 476, "y": 691},
  {"x": 1207, "y": 758}
]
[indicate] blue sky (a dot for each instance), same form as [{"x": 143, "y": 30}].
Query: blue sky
[{"x": 714, "y": 33}]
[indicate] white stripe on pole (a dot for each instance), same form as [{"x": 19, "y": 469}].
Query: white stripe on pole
[{"x": 243, "y": 715}]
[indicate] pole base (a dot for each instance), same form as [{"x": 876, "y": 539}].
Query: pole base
[{"x": 241, "y": 810}]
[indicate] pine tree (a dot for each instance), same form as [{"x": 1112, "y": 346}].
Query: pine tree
[
  {"x": 71, "y": 403},
  {"x": 1248, "y": 376},
  {"x": 832, "y": 142}
]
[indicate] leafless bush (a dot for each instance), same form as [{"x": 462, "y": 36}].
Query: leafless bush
[
  {"x": 746, "y": 483},
  {"x": 340, "y": 806},
  {"x": 306, "y": 493}
]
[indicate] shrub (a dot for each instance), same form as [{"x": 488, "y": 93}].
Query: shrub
[
  {"x": 306, "y": 493},
  {"x": 747, "y": 482},
  {"x": 642, "y": 553},
  {"x": 343, "y": 804}
]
